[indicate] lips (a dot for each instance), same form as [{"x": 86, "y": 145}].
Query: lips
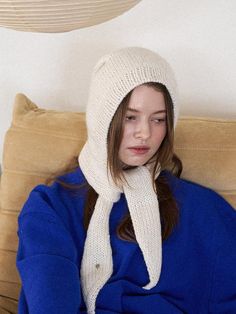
[{"x": 139, "y": 150}]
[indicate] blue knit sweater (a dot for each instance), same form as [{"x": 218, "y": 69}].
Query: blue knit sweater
[{"x": 199, "y": 259}]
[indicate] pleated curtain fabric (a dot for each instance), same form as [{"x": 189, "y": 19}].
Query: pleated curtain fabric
[{"x": 59, "y": 16}]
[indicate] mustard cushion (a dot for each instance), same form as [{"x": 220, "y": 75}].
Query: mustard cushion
[
  {"x": 207, "y": 148},
  {"x": 39, "y": 144},
  {"x": 42, "y": 143}
]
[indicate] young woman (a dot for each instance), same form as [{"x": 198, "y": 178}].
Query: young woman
[{"x": 123, "y": 233}]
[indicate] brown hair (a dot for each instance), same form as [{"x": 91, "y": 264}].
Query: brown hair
[
  {"x": 169, "y": 213},
  {"x": 165, "y": 156}
]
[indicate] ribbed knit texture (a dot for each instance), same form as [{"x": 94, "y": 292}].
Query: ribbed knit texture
[
  {"x": 114, "y": 76},
  {"x": 144, "y": 212}
]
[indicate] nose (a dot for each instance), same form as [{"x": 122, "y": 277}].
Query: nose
[{"x": 142, "y": 131}]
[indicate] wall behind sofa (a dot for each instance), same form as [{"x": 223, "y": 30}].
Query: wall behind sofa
[{"x": 196, "y": 37}]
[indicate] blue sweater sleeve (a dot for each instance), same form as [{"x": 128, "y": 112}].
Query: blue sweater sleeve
[
  {"x": 223, "y": 290},
  {"x": 46, "y": 260}
]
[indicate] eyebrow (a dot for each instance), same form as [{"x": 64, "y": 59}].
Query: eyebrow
[{"x": 135, "y": 110}]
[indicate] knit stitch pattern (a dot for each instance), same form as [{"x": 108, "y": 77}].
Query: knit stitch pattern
[{"x": 114, "y": 76}]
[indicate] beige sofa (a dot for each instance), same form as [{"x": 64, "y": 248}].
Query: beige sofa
[{"x": 41, "y": 143}]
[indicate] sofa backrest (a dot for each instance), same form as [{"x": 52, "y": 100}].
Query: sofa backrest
[{"x": 42, "y": 143}]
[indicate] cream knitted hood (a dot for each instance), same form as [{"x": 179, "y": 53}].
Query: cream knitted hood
[{"x": 114, "y": 76}]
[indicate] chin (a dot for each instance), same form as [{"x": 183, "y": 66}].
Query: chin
[{"x": 134, "y": 164}]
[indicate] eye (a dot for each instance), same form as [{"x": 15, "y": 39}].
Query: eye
[
  {"x": 130, "y": 118},
  {"x": 159, "y": 120}
]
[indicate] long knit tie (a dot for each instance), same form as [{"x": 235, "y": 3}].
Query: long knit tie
[
  {"x": 113, "y": 77},
  {"x": 97, "y": 264}
]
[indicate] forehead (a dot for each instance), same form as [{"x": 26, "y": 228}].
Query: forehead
[{"x": 146, "y": 98}]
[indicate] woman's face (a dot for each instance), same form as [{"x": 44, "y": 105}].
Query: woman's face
[{"x": 144, "y": 126}]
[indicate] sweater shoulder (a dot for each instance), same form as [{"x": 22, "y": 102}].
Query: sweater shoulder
[
  {"x": 190, "y": 189},
  {"x": 196, "y": 199},
  {"x": 74, "y": 177}
]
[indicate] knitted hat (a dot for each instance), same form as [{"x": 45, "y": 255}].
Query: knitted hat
[{"x": 114, "y": 76}]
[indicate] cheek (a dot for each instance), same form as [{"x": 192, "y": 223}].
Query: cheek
[
  {"x": 125, "y": 141},
  {"x": 127, "y": 130},
  {"x": 159, "y": 137},
  {"x": 161, "y": 133},
  {"x": 127, "y": 134}
]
